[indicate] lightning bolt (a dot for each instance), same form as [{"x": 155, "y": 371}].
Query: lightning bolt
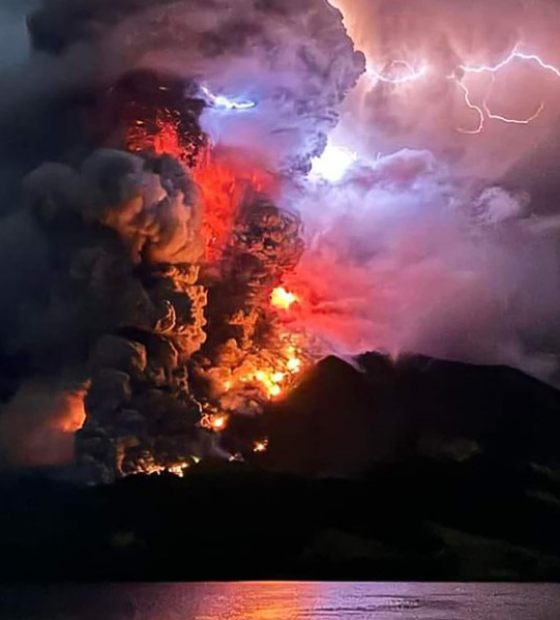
[
  {"x": 479, "y": 111},
  {"x": 413, "y": 74},
  {"x": 410, "y": 73},
  {"x": 484, "y": 113},
  {"x": 515, "y": 55},
  {"x": 514, "y": 121}
]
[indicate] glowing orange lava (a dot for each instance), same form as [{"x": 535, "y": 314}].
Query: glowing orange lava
[
  {"x": 214, "y": 422},
  {"x": 224, "y": 184},
  {"x": 283, "y": 299},
  {"x": 294, "y": 364},
  {"x": 260, "y": 446},
  {"x": 221, "y": 195},
  {"x": 271, "y": 381},
  {"x": 162, "y": 136},
  {"x": 275, "y": 379},
  {"x": 179, "y": 470}
]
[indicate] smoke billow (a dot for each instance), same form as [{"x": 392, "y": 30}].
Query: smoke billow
[
  {"x": 112, "y": 248},
  {"x": 402, "y": 257},
  {"x": 37, "y": 428},
  {"x": 292, "y": 58},
  {"x": 119, "y": 307}
]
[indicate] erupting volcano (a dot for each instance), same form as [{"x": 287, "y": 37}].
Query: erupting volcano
[
  {"x": 232, "y": 193},
  {"x": 262, "y": 260},
  {"x": 222, "y": 345},
  {"x": 168, "y": 242}
]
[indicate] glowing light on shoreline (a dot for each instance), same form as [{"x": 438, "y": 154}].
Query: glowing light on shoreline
[{"x": 333, "y": 164}]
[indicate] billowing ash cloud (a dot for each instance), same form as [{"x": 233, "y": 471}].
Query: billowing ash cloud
[
  {"x": 292, "y": 58},
  {"x": 425, "y": 245},
  {"x": 96, "y": 225},
  {"x": 107, "y": 246},
  {"x": 402, "y": 257},
  {"x": 116, "y": 302}
]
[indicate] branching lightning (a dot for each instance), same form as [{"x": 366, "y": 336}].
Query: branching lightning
[
  {"x": 484, "y": 113},
  {"x": 515, "y": 55},
  {"x": 513, "y": 121},
  {"x": 410, "y": 73},
  {"x": 479, "y": 111}
]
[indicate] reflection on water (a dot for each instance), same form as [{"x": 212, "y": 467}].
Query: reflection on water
[{"x": 282, "y": 601}]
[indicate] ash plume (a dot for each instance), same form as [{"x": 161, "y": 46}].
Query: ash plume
[
  {"x": 436, "y": 240},
  {"x": 120, "y": 306},
  {"x": 292, "y": 58},
  {"x": 115, "y": 287},
  {"x": 166, "y": 186},
  {"x": 419, "y": 261}
]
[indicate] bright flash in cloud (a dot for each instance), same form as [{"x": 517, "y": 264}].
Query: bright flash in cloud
[{"x": 333, "y": 164}]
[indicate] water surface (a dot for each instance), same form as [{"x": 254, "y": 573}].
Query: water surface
[{"x": 281, "y": 601}]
